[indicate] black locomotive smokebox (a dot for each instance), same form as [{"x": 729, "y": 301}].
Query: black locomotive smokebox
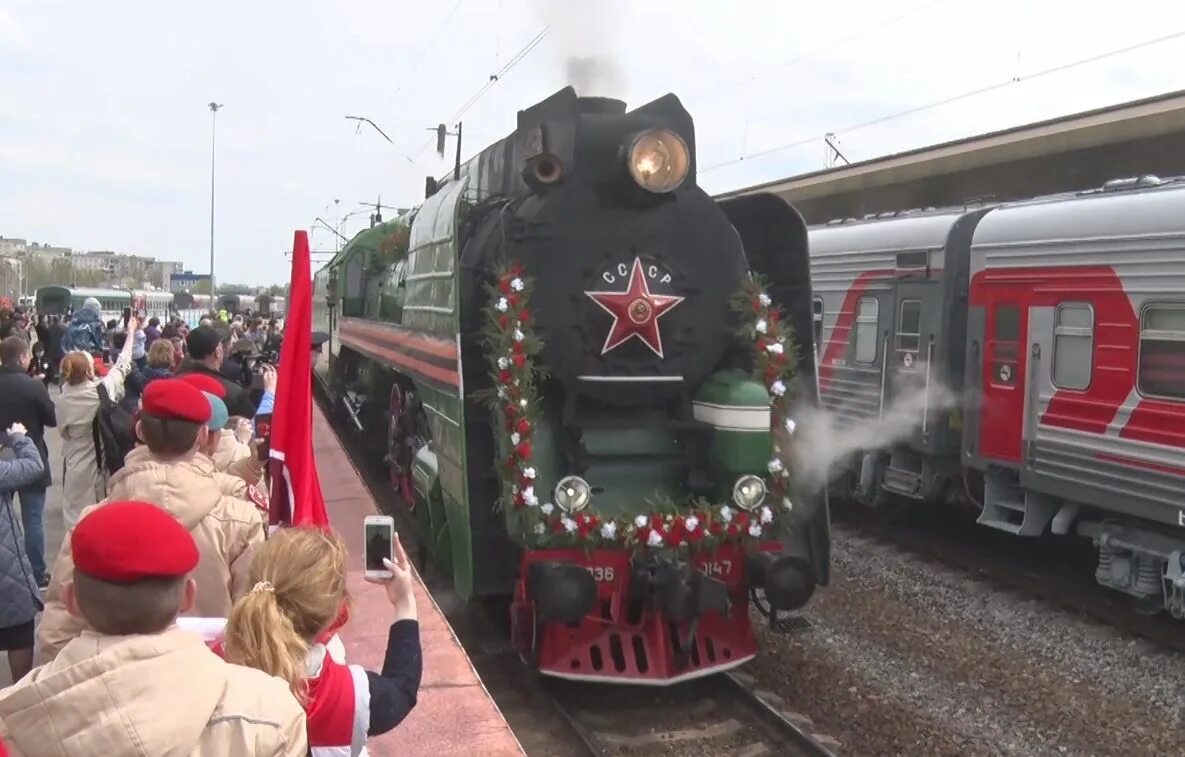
[{"x": 633, "y": 304}]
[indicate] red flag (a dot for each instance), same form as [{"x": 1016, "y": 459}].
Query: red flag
[{"x": 296, "y": 491}]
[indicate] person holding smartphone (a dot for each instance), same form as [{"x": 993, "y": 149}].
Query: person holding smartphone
[{"x": 284, "y": 625}]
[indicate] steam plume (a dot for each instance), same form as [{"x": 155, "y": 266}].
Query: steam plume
[
  {"x": 823, "y": 441},
  {"x": 584, "y": 36}
]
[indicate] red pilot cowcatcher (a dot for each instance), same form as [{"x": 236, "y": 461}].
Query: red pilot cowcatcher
[{"x": 635, "y": 312}]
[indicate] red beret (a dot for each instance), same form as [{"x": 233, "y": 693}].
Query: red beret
[
  {"x": 204, "y": 383},
  {"x": 175, "y": 400},
  {"x": 128, "y": 541}
]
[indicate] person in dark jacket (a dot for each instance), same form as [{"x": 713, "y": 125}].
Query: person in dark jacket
[
  {"x": 205, "y": 356},
  {"x": 25, "y": 400},
  {"x": 20, "y": 601},
  {"x": 85, "y": 332},
  {"x": 54, "y": 349}
]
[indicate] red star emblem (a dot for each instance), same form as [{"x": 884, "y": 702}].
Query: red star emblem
[{"x": 635, "y": 312}]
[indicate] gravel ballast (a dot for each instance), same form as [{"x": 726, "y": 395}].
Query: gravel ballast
[{"x": 911, "y": 657}]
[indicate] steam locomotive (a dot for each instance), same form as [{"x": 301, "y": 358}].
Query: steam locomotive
[
  {"x": 1059, "y": 324},
  {"x": 577, "y": 368}
]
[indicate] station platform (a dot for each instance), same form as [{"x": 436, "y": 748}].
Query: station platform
[{"x": 454, "y": 714}]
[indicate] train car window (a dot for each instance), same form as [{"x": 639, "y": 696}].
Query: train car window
[
  {"x": 817, "y": 305},
  {"x": 1161, "y": 371},
  {"x": 1073, "y": 346},
  {"x": 909, "y": 326},
  {"x": 867, "y": 310}
]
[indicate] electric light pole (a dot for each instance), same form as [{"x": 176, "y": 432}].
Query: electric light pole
[{"x": 214, "y": 107}]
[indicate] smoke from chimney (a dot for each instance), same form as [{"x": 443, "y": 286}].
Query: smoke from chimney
[{"x": 584, "y": 44}]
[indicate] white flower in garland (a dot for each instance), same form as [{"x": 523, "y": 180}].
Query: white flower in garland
[
  {"x": 502, "y": 305},
  {"x": 519, "y": 336},
  {"x": 568, "y": 523},
  {"x": 655, "y": 539},
  {"x": 529, "y": 496},
  {"x": 754, "y": 529},
  {"x": 516, "y": 284},
  {"x": 503, "y": 363},
  {"x": 766, "y": 515},
  {"x": 515, "y": 438},
  {"x": 775, "y": 348},
  {"x": 775, "y": 466},
  {"x": 787, "y": 504},
  {"x": 641, "y": 521},
  {"x": 761, "y": 326},
  {"x": 523, "y": 403},
  {"x": 777, "y": 388},
  {"x": 790, "y": 425},
  {"x": 502, "y": 393},
  {"x": 691, "y": 523},
  {"x": 726, "y": 514},
  {"x": 547, "y": 508},
  {"x": 528, "y": 472},
  {"x": 540, "y": 529},
  {"x": 764, "y": 299},
  {"x": 609, "y": 530}
]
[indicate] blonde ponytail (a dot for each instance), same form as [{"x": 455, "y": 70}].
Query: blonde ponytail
[
  {"x": 300, "y": 587},
  {"x": 261, "y": 636}
]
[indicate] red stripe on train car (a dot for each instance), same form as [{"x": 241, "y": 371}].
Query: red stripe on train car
[
  {"x": 401, "y": 359},
  {"x": 1133, "y": 462},
  {"x": 396, "y": 336}
]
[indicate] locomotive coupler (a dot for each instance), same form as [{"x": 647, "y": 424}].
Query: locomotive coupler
[{"x": 674, "y": 588}]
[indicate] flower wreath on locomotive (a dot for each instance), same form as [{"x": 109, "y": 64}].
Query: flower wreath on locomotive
[{"x": 593, "y": 369}]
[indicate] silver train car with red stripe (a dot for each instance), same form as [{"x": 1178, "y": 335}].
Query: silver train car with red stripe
[{"x": 1026, "y": 357}]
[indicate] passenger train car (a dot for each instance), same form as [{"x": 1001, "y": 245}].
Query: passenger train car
[
  {"x": 60, "y": 300},
  {"x": 1042, "y": 345},
  {"x": 236, "y": 303},
  {"x": 575, "y": 371}
]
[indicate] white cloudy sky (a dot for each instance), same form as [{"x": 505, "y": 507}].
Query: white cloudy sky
[{"x": 105, "y": 133}]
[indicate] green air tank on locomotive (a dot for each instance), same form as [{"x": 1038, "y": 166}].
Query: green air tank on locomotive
[{"x": 581, "y": 373}]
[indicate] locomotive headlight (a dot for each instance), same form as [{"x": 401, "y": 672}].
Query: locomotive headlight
[
  {"x": 659, "y": 160},
  {"x": 749, "y": 492},
  {"x": 573, "y": 494}
]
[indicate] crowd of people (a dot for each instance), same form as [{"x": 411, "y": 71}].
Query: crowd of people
[{"x": 171, "y": 621}]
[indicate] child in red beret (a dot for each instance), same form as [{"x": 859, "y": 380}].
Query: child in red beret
[
  {"x": 170, "y": 470},
  {"x": 137, "y": 684}
]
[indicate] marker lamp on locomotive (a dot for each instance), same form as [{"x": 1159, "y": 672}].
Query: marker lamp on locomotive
[
  {"x": 749, "y": 492},
  {"x": 658, "y": 160},
  {"x": 573, "y": 494}
]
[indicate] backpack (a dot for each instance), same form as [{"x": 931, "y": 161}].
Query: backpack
[
  {"x": 80, "y": 336},
  {"x": 114, "y": 434}
]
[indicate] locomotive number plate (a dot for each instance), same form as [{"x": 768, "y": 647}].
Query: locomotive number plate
[
  {"x": 717, "y": 568},
  {"x": 602, "y": 573}
]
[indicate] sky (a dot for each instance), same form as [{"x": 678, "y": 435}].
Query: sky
[{"x": 105, "y": 133}]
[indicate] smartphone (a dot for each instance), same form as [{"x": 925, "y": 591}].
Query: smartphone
[{"x": 378, "y": 536}]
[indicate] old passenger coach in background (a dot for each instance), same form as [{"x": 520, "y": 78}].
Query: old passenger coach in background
[
  {"x": 576, "y": 382},
  {"x": 1058, "y": 325},
  {"x": 59, "y": 300}
]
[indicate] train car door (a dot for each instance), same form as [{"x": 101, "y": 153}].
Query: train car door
[
  {"x": 910, "y": 350},
  {"x": 1001, "y": 427}
]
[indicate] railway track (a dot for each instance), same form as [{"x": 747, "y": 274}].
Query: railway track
[
  {"x": 1055, "y": 571},
  {"x": 723, "y": 714}
]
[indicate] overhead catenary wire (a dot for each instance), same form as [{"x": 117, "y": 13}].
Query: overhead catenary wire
[
  {"x": 795, "y": 60},
  {"x": 493, "y": 80},
  {"x": 427, "y": 47},
  {"x": 948, "y": 100}
]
